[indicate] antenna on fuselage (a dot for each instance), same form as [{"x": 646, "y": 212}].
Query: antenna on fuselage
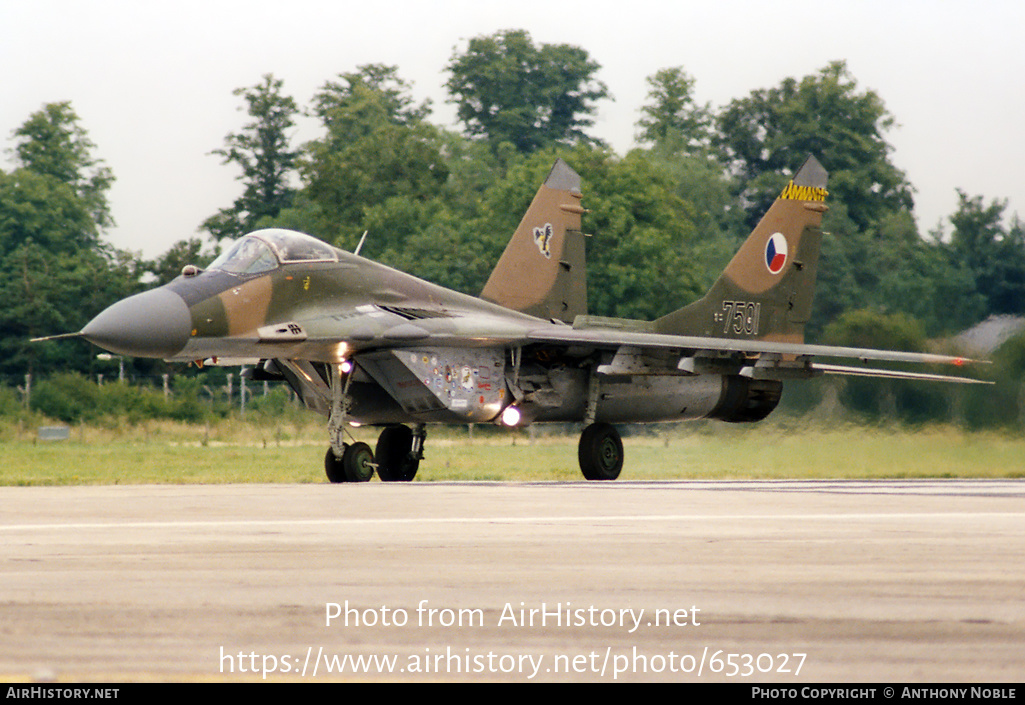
[{"x": 361, "y": 241}]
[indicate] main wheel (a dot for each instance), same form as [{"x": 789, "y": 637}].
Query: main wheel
[
  {"x": 394, "y": 453},
  {"x": 358, "y": 462},
  {"x": 600, "y": 452}
]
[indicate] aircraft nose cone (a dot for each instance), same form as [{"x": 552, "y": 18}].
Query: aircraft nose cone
[{"x": 154, "y": 323}]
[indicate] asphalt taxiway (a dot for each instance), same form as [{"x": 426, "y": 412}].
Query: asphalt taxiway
[{"x": 705, "y": 581}]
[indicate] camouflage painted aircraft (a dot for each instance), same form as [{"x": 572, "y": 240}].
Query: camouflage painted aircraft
[{"x": 365, "y": 344}]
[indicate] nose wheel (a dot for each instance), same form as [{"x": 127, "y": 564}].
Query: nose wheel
[
  {"x": 356, "y": 464},
  {"x": 397, "y": 457}
]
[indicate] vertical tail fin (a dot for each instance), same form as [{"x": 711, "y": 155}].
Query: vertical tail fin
[
  {"x": 541, "y": 272},
  {"x": 765, "y": 293}
]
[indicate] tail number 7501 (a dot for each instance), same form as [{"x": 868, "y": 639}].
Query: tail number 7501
[{"x": 740, "y": 316}]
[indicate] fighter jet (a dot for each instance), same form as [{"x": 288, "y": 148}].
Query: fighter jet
[{"x": 362, "y": 343}]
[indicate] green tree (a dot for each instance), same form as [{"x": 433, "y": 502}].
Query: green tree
[
  {"x": 1002, "y": 404},
  {"x": 42, "y": 209},
  {"x": 825, "y": 114},
  {"x": 507, "y": 89},
  {"x": 375, "y": 149},
  {"x": 392, "y": 91},
  {"x": 170, "y": 264},
  {"x": 53, "y": 143},
  {"x": 431, "y": 241},
  {"x": 907, "y": 400},
  {"x": 672, "y": 117},
  {"x": 55, "y": 273},
  {"x": 889, "y": 268},
  {"x": 719, "y": 226},
  {"x": 639, "y": 262},
  {"x": 263, "y": 153},
  {"x": 47, "y": 293},
  {"x": 872, "y": 255},
  {"x": 993, "y": 253}
]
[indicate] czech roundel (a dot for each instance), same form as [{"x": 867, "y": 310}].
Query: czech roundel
[{"x": 776, "y": 253}]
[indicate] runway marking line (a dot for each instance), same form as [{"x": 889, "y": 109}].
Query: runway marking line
[{"x": 227, "y": 523}]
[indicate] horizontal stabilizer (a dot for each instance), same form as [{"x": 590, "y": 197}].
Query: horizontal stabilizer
[
  {"x": 893, "y": 374},
  {"x": 602, "y": 338}
]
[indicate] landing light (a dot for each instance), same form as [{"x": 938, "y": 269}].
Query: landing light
[
  {"x": 511, "y": 416},
  {"x": 346, "y": 366}
]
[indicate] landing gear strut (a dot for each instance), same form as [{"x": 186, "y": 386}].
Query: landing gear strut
[
  {"x": 600, "y": 452},
  {"x": 344, "y": 462}
]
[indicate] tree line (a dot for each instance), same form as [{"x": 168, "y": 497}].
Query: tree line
[{"x": 441, "y": 203}]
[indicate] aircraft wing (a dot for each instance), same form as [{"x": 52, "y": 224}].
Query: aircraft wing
[
  {"x": 689, "y": 354},
  {"x": 759, "y": 358}
]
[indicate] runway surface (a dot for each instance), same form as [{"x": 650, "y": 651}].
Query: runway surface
[{"x": 686, "y": 581}]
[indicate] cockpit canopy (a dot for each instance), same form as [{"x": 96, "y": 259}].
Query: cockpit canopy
[{"x": 264, "y": 250}]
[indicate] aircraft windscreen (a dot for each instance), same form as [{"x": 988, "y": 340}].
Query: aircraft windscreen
[
  {"x": 263, "y": 250},
  {"x": 296, "y": 247},
  {"x": 248, "y": 256}
]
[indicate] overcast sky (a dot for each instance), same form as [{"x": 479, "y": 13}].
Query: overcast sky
[{"x": 152, "y": 81}]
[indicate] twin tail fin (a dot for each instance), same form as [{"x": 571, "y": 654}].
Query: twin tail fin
[
  {"x": 765, "y": 293},
  {"x": 542, "y": 271}
]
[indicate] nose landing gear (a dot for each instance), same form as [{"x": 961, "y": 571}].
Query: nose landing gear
[
  {"x": 397, "y": 457},
  {"x": 355, "y": 465}
]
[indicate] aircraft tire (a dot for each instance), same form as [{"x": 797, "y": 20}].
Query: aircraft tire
[
  {"x": 395, "y": 459},
  {"x": 600, "y": 452},
  {"x": 334, "y": 467},
  {"x": 358, "y": 462}
]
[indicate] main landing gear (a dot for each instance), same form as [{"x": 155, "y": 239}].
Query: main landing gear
[
  {"x": 600, "y": 452},
  {"x": 399, "y": 452},
  {"x": 396, "y": 458}
]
